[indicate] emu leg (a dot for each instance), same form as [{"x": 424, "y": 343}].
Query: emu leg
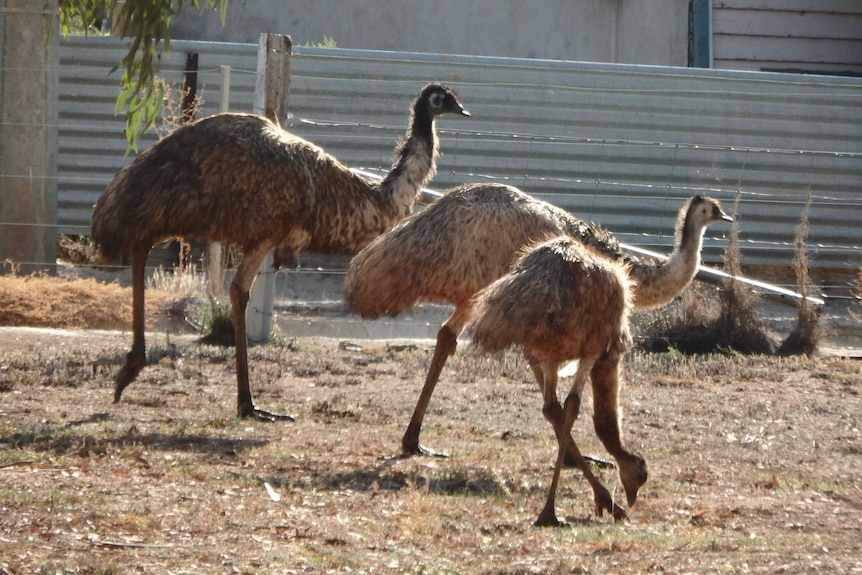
[
  {"x": 447, "y": 343},
  {"x": 239, "y": 288},
  {"x": 570, "y": 460},
  {"x": 554, "y": 413},
  {"x": 548, "y": 517},
  {"x": 605, "y": 381},
  {"x": 136, "y": 359}
]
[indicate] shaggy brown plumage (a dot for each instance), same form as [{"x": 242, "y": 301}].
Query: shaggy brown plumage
[
  {"x": 242, "y": 180},
  {"x": 470, "y": 237},
  {"x": 562, "y": 302}
]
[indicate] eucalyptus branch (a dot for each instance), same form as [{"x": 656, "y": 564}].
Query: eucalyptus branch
[{"x": 147, "y": 24}]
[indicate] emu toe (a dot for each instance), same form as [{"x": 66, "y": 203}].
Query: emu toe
[
  {"x": 547, "y": 518},
  {"x": 604, "y": 502},
  {"x": 410, "y": 449},
  {"x": 633, "y": 474},
  {"x": 261, "y": 415},
  {"x": 135, "y": 362}
]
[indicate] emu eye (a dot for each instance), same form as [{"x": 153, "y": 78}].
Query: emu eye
[{"x": 437, "y": 100}]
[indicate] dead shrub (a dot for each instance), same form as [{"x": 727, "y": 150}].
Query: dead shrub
[
  {"x": 805, "y": 335},
  {"x": 705, "y": 320}
]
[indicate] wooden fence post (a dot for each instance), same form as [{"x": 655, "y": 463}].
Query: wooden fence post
[
  {"x": 270, "y": 100},
  {"x": 215, "y": 269}
]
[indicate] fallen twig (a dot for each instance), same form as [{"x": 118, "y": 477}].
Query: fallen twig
[
  {"x": 121, "y": 544},
  {"x": 14, "y": 463}
]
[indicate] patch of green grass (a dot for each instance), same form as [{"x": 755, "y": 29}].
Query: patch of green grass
[
  {"x": 335, "y": 408},
  {"x": 222, "y": 423},
  {"x": 13, "y": 498},
  {"x": 430, "y": 570},
  {"x": 335, "y": 554},
  {"x": 825, "y": 487},
  {"x": 327, "y": 42},
  {"x": 61, "y": 568},
  {"x": 283, "y": 341},
  {"x": 58, "y": 501},
  {"x": 217, "y": 322}
]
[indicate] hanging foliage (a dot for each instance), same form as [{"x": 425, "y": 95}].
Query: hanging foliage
[{"x": 147, "y": 24}]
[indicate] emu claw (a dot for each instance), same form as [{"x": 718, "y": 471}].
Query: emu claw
[
  {"x": 570, "y": 462},
  {"x": 604, "y": 502},
  {"x": 135, "y": 362},
  {"x": 548, "y": 519},
  {"x": 421, "y": 450},
  {"x": 261, "y": 415},
  {"x": 619, "y": 514}
]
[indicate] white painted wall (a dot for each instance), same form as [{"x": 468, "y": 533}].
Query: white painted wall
[{"x": 622, "y": 31}]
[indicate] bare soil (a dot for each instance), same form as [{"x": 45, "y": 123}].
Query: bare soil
[{"x": 755, "y": 463}]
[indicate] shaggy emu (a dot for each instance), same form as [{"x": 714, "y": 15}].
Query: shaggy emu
[
  {"x": 470, "y": 237},
  {"x": 241, "y": 179},
  {"x": 561, "y": 302}
]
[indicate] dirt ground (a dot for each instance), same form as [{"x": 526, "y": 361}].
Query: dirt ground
[{"x": 755, "y": 463}]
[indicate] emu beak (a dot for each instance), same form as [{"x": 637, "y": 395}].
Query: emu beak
[
  {"x": 462, "y": 111},
  {"x": 718, "y": 214}
]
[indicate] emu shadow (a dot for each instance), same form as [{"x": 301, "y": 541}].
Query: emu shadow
[
  {"x": 58, "y": 441},
  {"x": 383, "y": 478}
]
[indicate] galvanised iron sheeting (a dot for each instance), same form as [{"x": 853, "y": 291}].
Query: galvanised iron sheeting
[
  {"x": 91, "y": 140},
  {"x": 621, "y": 145}
]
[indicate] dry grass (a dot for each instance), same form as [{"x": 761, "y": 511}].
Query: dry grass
[
  {"x": 45, "y": 301},
  {"x": 727, "y": 320},
  {"x": 755, "y": 463},
  {"x": 805, "y": 335},
  {"x": 755, "y": 466}
]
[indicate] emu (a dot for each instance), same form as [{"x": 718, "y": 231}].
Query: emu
[
  {"x": 563, "y": 301},
  {"x": 240, "y": 179},
  {"x": 470, "y": 237}
]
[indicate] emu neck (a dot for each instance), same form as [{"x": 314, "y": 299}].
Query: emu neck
[
  {"x": 415, "y": 163},
  {"x": 659, "y": 283}
]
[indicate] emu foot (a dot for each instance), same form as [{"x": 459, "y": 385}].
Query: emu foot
[
  {"x": 633, "y": 474},
  {"x": 547, "y": 518},
  {"x": 411, "y": 449},
  {"x": 261, "y": 415},
  {"x": 604, "y": 502},
  {"x": 135, "y": 362},
  {"x": 570, "y": 462},
  {"x": 619, "y": 514}
]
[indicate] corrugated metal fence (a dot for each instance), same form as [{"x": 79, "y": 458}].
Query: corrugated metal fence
[{"x": 622, "y": 145}]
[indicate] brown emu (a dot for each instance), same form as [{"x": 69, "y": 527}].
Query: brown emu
[
  {"x": 563, "y": 301},
  {"x": 240, "y": 179},
  {"x": 472, "y": 236}
]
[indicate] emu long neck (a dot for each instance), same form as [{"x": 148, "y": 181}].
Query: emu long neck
[
  {"x": 659, "y": 283},
  {"x": 415, "y": 163}
]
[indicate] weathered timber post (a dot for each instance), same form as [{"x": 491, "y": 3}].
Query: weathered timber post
[
  {"x": 270, "y": 100},
  {"x": 215, "y": 268}
]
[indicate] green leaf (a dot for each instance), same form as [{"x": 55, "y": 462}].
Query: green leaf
[{"x": 148, "y": 24}]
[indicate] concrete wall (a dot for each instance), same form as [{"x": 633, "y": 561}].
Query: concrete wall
[
  {"x": 28, "y": 135},
  {"x": 643, "y": 32}
]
